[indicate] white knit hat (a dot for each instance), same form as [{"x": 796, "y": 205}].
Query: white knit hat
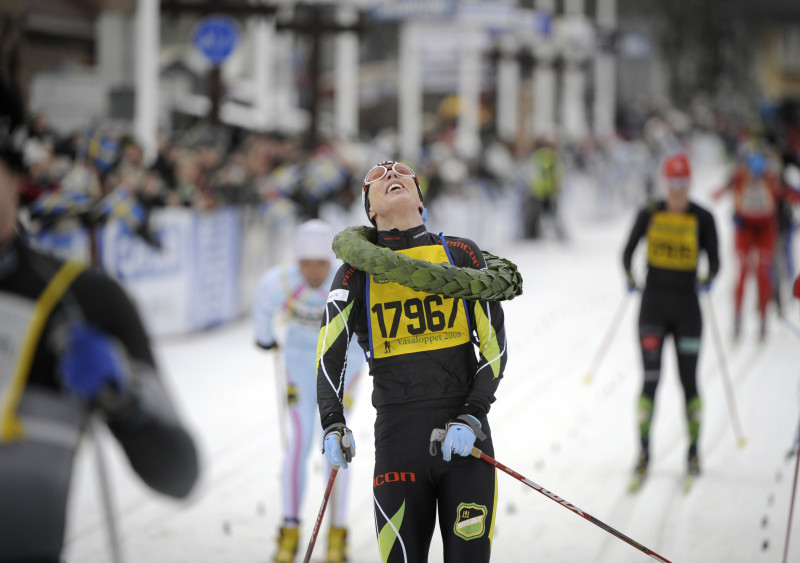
[{"x": 313, "y": 241}]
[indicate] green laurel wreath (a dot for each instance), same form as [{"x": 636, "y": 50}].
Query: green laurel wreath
[{"x": 500, "y": 281}]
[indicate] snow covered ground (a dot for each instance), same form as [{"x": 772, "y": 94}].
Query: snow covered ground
[{"x": 573, "y": 438}]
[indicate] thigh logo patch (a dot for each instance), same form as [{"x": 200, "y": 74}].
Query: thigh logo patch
[{"x": 470, "y": 521}]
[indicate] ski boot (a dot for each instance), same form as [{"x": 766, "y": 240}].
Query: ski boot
[
  {"x": 692, "y": 468},
  {"x": 693, "y": 462},
  {"x": 642, "y": 462},
  {"x": 640, "y": 471},
  {"x": 337, "y": 545},
  {"x": 287, "y": 544}
]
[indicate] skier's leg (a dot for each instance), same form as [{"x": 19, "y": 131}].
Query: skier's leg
[
  {"x": 404, "y": 494},
  {"x": 300, "y": 414},
  {"x": 651, "y": 343},
  {"x": 688, "y": 331},
  {"x": 766, "y": 253},
  {"x": 789, "y": 252},
  {"x": 467, "y": 492},
  {"x": 743, "y": 255}
]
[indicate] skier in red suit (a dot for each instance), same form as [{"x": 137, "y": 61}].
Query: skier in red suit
[
  {"x": 755, "y": 190},
  {"x": 796, "y": 290}
]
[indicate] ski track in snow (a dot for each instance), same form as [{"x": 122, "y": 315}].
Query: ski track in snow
[{"x": 575, "y": 439}]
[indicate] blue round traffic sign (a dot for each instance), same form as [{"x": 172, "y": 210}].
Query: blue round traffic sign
[{"x": 216, "y": 37}]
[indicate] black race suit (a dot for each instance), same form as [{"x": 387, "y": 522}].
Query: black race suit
[
  {"x": 41, "y": 426},
  {"x": 669, "y": 300},
  {"x": 425, "y": 372}
]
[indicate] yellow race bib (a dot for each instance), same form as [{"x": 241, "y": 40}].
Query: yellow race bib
[
  {"x": 404, "y": 321},
  {"x": 672, "y": 241}
]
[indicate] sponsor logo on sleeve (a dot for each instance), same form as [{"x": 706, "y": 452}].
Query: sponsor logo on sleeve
[{"x": 338, "y": 295}]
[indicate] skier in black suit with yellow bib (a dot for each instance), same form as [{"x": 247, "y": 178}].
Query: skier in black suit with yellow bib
[
  {"x": 677, "y": 230},
  {"x": 426, "y": 375}
]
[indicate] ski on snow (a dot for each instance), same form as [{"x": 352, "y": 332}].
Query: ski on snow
[{"x": 638, "y": 480}]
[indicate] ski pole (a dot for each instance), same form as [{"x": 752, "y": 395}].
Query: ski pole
[
  {"x": 280, "y": 379},
  {"x": 726, "y": 378},
  {"x": 791, "y": 503},
  {"x": 549, "y": 494},
  {"x": 317, "y": 524},
  {"x": 606, "y": 343},
  {"x": 795, "y": 444},
  {"x": 105, "y": 493},
  {"x": 794, "y": 329}
]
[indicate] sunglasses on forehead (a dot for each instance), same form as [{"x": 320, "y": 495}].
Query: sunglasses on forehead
[{"x": 381, "y": 170}]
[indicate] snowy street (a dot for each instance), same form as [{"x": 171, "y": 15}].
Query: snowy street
[{"x": 574, "y": 438}]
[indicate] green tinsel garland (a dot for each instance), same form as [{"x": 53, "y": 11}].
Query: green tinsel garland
[{"x": 500, "y": 281}]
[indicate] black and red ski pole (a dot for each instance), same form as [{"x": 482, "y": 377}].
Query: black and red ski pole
[
  {"x": 796, "y": 292},
  {"x": 791, "y": 502},
  {"x": 549, "y": 494},
  {"x": 318, "y": 523}
]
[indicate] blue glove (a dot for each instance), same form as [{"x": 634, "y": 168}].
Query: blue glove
[
  {"x": 704, "y": 285},
  {"x": 459, "y": 436},
  {"x": 631, "y": 282},
  {"x": 339, "y": 446},
  {"x": 91, "y": 362}
]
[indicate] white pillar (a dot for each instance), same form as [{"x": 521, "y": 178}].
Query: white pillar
[
  {"x": 544, "y": 98},
  {"x": 264, "y": 91},
  {"x": 409, "y": 81},
  {"x": 346, "y": 101},
  {"x": 112, "y": 52},
  {"x": 573, "y": 105},
  {"x": 147, "y": 42},
  {"x": 605, "y": 71},
  {"x": 573, "y": 112},
  {"x": 543, "y": 114},
  {"x": 469, "y": 93},
  {"x": 547, "y": 6},
  {"x": 508, "y": 79},
  {"x": 286, "y": 101}
]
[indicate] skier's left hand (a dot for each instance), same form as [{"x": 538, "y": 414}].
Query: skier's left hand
[
  {"x": 704, "y": 284},
  {"x": 459, "y": 436},
  {"x": 630, "y": 282}
]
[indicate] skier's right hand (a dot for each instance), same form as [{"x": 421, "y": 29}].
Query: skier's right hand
[
  {"x": 339, "y": 446},
  {"x": 92, "y": 361}
]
